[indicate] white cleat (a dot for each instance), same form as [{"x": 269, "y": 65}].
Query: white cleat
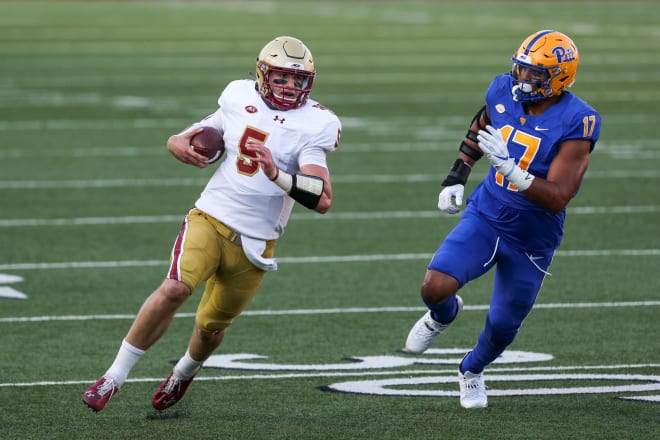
[
  {"x": 473, "y": 390},
  {"x": 423, "y": 333}
]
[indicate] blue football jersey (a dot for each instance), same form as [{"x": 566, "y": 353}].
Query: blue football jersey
[{"x": 534, "y": 142}]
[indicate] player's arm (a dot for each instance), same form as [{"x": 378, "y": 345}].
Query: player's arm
[
  {"x": 310, "y": 186},
  {"x": 451, "y": 197},
  {"x": 319, "y": 172},
  {"x": 564, "y": 176},
  {"x": 469, "y": 151}
]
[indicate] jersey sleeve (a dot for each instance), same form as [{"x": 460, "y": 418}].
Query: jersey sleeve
[
  {"x": 313, "y": 156},
  {"x": 583, "y": 125},
  {"x": 329, "y": 136},
  {"x": 499, "y": 86}
]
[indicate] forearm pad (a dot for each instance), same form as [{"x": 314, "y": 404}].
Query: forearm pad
[
  {"x": 458, "y": 174},
  {"x": 472, "y": 135},
  {"x": 303, "y": 188}
]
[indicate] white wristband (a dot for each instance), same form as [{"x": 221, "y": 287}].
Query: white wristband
[
  {"x": 284, "y": 180},
  {"x": 520, "y": 178}
]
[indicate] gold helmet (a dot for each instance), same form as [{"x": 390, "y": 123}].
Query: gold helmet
[
  {"x": 285, "y": 55},
  {"x": 550, "y": 54}
]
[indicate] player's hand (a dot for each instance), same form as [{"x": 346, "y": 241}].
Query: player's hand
[
  {"x": 451, "y": 198},
  {"x": 179, "y": 146},
  {"x": 263, "y": 157},
  {"x": 493, "y": 146}
]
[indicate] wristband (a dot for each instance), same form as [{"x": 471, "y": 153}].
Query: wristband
[
  {"x": 458, "y": 174},
  {"x": 520, "y": 178},
  {"x": 284, "y": 180}
]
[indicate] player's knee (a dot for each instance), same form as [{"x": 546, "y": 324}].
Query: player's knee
[
  {"x": 437, "y": 287},
  {"x": 207, "y": 336},
  {"x": 173, "y": 292},
  {"x": 212, "y": 323}
]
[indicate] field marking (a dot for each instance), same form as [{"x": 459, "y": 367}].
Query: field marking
[
  {"x": 335, "y": 374},
  {"x": 631, "y": 150},
  {"x": 357, "y": 178},
  {"x": 314, "y": 259},
  {"x": 357, "y": 215},
  {"x": 396, "y": 386},
  {"x": 11, "y": 293},
  {"x": 292, "y": 312},
  {"x": 164, "y": 123}
]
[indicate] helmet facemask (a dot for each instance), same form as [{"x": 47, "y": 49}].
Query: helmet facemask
[
  {"x": 538, "y": 88},
  {"x": 276, "y": 91}
]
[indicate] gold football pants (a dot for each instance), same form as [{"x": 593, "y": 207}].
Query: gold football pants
[{"x": 208, "y": 250}]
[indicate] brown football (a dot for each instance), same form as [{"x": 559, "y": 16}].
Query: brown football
[{"x": 209, "y": 143}]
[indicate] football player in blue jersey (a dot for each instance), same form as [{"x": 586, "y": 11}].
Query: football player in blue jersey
[{"x": 538, "y": 137}]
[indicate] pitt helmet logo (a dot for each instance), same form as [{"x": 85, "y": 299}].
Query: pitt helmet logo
[{"x": 563, "y": 55}]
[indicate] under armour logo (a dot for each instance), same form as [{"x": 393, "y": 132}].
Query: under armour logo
[{"x": 277, "y": 118}]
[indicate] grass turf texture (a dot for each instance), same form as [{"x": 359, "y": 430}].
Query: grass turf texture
[{"x": 91, "y": 91}]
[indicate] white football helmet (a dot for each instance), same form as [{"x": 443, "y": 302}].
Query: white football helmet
[{"x": 285, "y": 55}]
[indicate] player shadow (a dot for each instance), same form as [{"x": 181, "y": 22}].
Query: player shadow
[{"x": 181, "y": 411}]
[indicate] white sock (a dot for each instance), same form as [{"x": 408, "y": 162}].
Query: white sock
[
  {"x": 187, "y": 367},
  {"x": 127, "y": 357}
]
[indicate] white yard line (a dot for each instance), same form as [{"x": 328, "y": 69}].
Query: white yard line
[
  {"x": 298, "y": 312},
  {"x": 312, "y": 259},
  {"x": 361, "y": 215}
]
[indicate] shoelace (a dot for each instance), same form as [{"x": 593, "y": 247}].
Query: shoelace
[
  {"x": 473, "y": 387},
  {"x": 108, "y": 386},
  {"x": 172, "y": 384},
  {"x": 432, "y": 326}
]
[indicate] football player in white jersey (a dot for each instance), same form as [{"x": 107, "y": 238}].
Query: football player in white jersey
[{"x": 276, "y": 140}]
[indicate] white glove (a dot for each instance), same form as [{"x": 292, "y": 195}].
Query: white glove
[
  {"x": 493, "y": 146},
  {"x": 450, "y": 198}
]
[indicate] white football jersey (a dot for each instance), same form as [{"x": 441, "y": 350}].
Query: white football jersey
[{"x": 239, "y": 194}]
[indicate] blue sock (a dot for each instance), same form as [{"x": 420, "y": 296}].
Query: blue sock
[{"x": 444, "y": 312}]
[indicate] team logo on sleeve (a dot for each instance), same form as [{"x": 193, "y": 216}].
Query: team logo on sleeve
[{"x": 250, "y": 109}]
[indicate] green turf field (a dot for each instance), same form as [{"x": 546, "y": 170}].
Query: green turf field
[{"x": 90, "y": 203}]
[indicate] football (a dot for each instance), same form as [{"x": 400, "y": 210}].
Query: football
[{"x": 209, "y": 143}]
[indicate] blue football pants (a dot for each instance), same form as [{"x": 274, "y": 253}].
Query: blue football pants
[{"x": 471, "y": 249}]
